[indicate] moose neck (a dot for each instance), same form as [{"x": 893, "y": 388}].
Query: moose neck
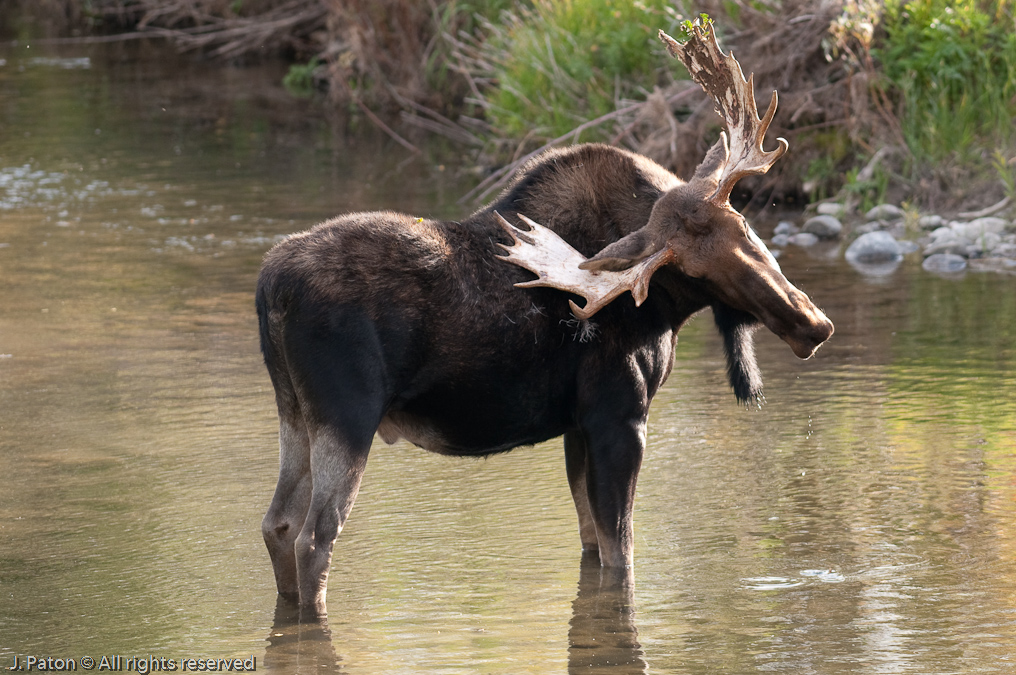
[{"x": 591, "y": 195}]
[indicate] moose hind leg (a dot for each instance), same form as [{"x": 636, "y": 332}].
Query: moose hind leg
[
  {"x": 285, "y": 517},
  {"x": 337, "y": 465},
  {"x": 575, "y": 458}
]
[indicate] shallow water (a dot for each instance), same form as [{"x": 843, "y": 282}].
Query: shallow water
[{"x": 861, "y": 521}]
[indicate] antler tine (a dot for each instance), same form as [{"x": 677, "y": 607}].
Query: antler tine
[
  {"x": 556, "y": 265},
  {"x": 721, "y": 77}
]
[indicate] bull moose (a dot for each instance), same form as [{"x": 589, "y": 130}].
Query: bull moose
[{"x": 437, "y": 332}]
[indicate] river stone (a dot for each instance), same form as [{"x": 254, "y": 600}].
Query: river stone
[
  {"x": 944, "y": 234},
  {"x": 804, "y": 239},
  {"x": 1005, "y": 250},
  {"x": 832, "y": 209},
  {"x": 981, "y": 226},
  {"x": 780, "y": 240},
  {"x": 907, "y": 247},
  {"x": 944, "y": 263},
  {"x": 824, "y": 227},
  {"x": 874, "y": 247},
  {"x": 885, "y": 212},
  {"x": 785, "y": 227},
  {"x": 868, "y": 227},
  {"x": 986, "y": 242},
  {"x": 930, "y": 222},
  {"x": 949, "y": 246}
]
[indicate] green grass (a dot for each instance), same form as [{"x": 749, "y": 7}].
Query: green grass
[
  {"x": 952, "y": 66},
  {"x": 560, "y": 63}
]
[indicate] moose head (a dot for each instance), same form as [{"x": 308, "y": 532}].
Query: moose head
[{"x": 694, "y": 230}]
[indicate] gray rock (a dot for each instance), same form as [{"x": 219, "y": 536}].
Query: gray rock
[
  {"x": 780, "y": 240},
  {"x": 868, "y": 227},
  {"x": 832, "y": 209},
  {"x": 874, "y": 247},
  {"x": 1004, "y": 250},
  {"x": 824, "y": 227},
  {"x": 994, "y": 265},
  {"x": 885, "y": 212},
  {"x": 945, "y": 234},
  {"x": 987, "y": 242},
  {"x": 930, "y": 222},
  {"x": 944, "y": 263},
  {"x": 804, "y": 239},
  {"x": 947, "y": 246},
  {"x": 908, "y": 247},
  {"x": 982, "y": 226},
  {"x": 786, "y": 227}
]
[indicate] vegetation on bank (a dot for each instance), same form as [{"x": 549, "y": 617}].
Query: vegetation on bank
[{"x": 912, "y": 98}]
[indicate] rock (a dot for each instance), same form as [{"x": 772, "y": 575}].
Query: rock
[
  {"x": 885, "y": 212},
  {"x": 986, "y": 242},
  {"x": 824, "y": 227},
  {"x": 832, "y": 209},
  {"x": 786, "y": 227},
  {"x": 930, "y": 222},
  {"x": 804, "y": 239},
  {"x": 944, "y": 263},
  {"x": 780, "y": 240},
  {"x": 994, "y": 265},
  {"x": 947, "y": 246},
  {"x": 874, "y": 247},
  {"x": 945, "y": 234},
  {"x": 981, "y": 226},
  {"x": 868, "y": 227},
  {"x": 908, "y": 247},
  {"x": 1004, "y": 250}
]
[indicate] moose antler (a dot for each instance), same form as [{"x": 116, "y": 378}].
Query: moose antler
[
  {"x": 556, "y": 263},
  {"x": 720, "y": 76}
]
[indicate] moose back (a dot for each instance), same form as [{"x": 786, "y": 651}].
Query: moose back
[{"x": 419, "y": 329}]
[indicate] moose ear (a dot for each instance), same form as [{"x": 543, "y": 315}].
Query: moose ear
[
  {"x": 714, "y": 162},
  {"x": 623, "y": 253}
]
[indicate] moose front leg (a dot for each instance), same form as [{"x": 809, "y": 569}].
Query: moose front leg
[{"x": 613, "y": 458}]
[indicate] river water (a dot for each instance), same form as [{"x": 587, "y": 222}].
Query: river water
[{"x": 862, "y": 521}]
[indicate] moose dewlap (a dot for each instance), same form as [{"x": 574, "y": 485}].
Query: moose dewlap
[{"x": 439, "y": 332}]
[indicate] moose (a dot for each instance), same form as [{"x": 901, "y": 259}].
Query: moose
[{"x": 438, "y": 332}]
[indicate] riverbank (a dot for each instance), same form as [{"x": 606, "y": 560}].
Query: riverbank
[{"x": 881, "y": 102}]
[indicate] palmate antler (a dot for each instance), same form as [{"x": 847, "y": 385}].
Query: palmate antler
[
  {"x": 641, "y": 251},
  {"x": 556, "y": 263},
  {"x": 720, "y": 76}
]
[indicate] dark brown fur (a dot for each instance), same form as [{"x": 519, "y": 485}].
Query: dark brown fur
[{"x": 413, "y": 327}]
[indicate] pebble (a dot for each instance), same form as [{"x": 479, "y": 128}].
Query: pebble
[
  {"x": 824, "y": 227},
  {"x": 874, "y": 247},
  {"x": 786, "y": 227},
  {"x": 833, "y": 209},
  {"x": 803, "y": 239},
  {"x": 780, "y": 240},
  {"x": 944, "y": 263},
  {"x": 885, "y": 212},
  {"x": 930, "y": 222}
]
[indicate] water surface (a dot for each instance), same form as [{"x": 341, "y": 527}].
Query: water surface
[{"x": 862, "y": 521}]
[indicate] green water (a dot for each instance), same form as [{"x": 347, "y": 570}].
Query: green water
[{"x": 863, "y": 521}]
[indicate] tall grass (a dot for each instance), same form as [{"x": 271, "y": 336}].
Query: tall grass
[
  {"x": 953, "y": 66},
  {"x": 560, "y": 63}
]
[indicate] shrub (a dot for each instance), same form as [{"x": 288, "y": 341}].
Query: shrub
[
  {"x": 953, "y": 67},
  {"x": 563, "y": 62}
]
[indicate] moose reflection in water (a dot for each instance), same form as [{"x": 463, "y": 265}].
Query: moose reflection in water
[{"x": 417, "y": 329}]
